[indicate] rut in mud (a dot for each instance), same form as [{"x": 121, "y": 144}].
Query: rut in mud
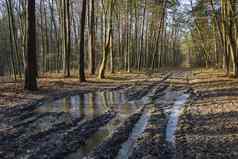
[{"x": 110, "y": 124}]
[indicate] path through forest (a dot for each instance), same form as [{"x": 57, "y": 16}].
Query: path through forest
[{"x": 105, "y": 79}]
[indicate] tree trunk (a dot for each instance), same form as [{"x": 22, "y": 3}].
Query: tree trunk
[
  {"x": 31, "y": 63},
  {"x": 81, "y": 55},
  {"x": 108, "y": 46},
  {"x": 66, "y": 36},
  {"x": 91, "y": 43},
  {"x": 142, "y": 38}
]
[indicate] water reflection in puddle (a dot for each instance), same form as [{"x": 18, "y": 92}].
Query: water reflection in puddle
[
  {"x": 91, "y": 105},
  {"x": 176, "y": 110},
  {"x": 117, "y": 102},
  {"x": 88, "y": 106},
  {"x": 127, "y": 147},
  {"x": 98, "y": 138}
]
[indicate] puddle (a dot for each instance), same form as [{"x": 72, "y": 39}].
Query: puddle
[
  {"x": 87, "y": 106},
  {"x": 103, "y": 133},
  {"x": 117, "y": 102},
  {"x": 64, "y": 114},
  {"x": 176, "y": 110},
  {"x": 127, "y": 147},
  {"x": 92, "y": 142},
  {"x": 125, "y": 109}
]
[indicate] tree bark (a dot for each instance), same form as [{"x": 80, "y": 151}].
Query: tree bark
[
  {"x": 91, "y": 43},
  {"x": 81, "y": 55},
  {"x": 108, "y": 46},
  {"x": 31, "y": 63}
]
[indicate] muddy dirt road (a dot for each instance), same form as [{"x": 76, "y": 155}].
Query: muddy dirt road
[
  {"x": 97, "y": 124},
  {"x": 152, "y": 118}
]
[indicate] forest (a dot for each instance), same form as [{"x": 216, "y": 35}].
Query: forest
[{"x": 118, "y": 79}]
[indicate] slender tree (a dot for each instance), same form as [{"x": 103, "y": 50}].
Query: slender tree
[
  {"x": 91, "y": 43},
  {"x": 81, "y": 55},
  {"x": 66, "y": 27},
  {"x": 108, "y": 44}
]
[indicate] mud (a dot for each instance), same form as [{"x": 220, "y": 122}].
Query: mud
[
  {"x": 94, "y": 125},
  {"x": 156, "y": 142},
  {"x": 208, "y": 126},
  {"x": 55, "y": 144},
  {"x": 110, "y": 147}
]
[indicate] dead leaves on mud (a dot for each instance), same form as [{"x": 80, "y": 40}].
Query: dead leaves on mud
[{"x": 209, "y": 126}]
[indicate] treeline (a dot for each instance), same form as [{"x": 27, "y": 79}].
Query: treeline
[
  {"x": 88, "y": 36},
  {"x": 213, "y": 40}
]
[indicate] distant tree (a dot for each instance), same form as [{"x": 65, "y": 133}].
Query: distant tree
[{"x": 125, "y": 35}]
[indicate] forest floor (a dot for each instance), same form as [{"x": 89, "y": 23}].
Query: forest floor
[
  {"x": 208, "y": 127},
  {"x": 12, "y": 93},
  {"x": 127, "y": 115}
]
